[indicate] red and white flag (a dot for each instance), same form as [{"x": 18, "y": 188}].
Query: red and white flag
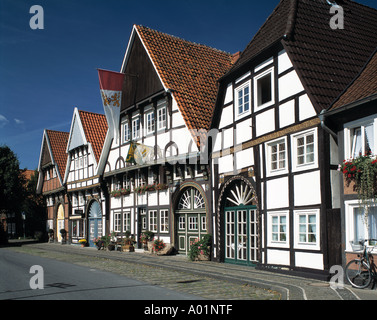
[{"x": 111, "y": 84}]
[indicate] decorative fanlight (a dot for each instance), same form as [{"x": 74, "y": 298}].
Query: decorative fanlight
[
  {"x": 241, "y": 195},
  {"x": 191, "y": 198}
]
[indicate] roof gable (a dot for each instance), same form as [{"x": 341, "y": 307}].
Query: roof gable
[
  {"x": 141, "y": 78},
  {"x": 189, "y": 70},
  {"x": 53, "y": 151},
  {"x": 88, "y": 128},
  {"x": 58, "y": 141},
  {"x": 95, "y": 130},
  {"x": 326, "y": 60},
  {"x": 77, "y": 136}
]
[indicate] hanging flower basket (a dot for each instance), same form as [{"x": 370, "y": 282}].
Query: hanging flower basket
[{"x": 361, "y": 172}]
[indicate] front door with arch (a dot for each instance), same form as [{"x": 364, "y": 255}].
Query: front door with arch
[
  {"x": 60, "y": 221},
  {"x": 241, "y": 225},
  {"x": 95, "y": 222},
  {"x": 190, "y": 218}
]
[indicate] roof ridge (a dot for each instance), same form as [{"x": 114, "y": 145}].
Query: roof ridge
[
  {"x": 50, "y": 130},
  {"x": 184, "y": 40},
  {"x": 96, "y": 113}
]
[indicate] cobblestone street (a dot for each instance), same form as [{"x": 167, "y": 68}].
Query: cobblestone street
[
  {"x": 207, "y": 279},
  {"x": 202, "y": 286}
]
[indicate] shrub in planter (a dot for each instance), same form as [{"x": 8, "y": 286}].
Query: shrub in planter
[
  {"x": 158, "y": 245},
  {"x": 201, "y": 249}
]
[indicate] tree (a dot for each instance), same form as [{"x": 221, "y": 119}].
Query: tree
[
  {"x": 12, "y": 182},
  {"x": 34, "y": 208}
]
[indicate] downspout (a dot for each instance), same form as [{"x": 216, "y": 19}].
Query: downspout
[{"x": 321, "y": 117}]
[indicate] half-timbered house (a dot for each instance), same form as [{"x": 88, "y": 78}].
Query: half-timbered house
[
  {"x": 274, "y": 167},
  {"x": 354, "y": 118},
  {"x": 51, "y": 167},
  {"x": 87, "y": 218},
  {"x": 153, "y": 170}
]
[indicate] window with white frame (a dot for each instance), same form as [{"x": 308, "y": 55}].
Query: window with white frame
[
  {"x": 117, "y": 221},
  {"x": 264, "y": 89},
  {"x": 126, "y": 221},
  {"x": 193, "y": 223},
  {"x": 149, "y": 122},
  {"x": 182, "y": 223},
  {"x": 204, "y": 223},
  {"x": 242, "y": 96},
  {"x": 278, "y": 227},
  {"x": 164, "y": 220},
  {"x": 161, "y": 116},
  {"x": 361, "y": 137},
  {"x": 136, "y": 127},
  {"x": 153, "y": 220},
  {"x": 307, "y": 229},
  {"x": 304, "y": 150},
  {"x": 277, "y": 156},
  {"x": 126, "y": 131},
  {"x": 360, "y": 225}
]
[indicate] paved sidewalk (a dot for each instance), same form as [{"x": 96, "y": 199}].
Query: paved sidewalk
[{"x": 290, "y": 287}]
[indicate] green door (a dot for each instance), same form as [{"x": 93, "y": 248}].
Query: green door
[
  {"x": 190, "y": 219},
  {"x": 241, "y": 245},
  {"x": 190, "y": 226}
]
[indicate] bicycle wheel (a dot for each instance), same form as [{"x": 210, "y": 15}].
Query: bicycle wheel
[{"x": 358, "y": 274}]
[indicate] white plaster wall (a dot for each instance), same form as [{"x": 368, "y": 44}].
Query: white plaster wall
[
  {"x": 244, "y": 158},
  {"x": 243, "y": 131},
  {"x": 307, "y": 188},
  {"x": 164, "y": 197},
  {"x": 277, "y": 193},
  {"x": 309, "y": 260},
  {"x": 287, "y": 114},
  {"x": 152, "y": 198},
  {"x": 226, "y": 164},
  {"x": 265, "y": 122},
  {"x": 226, "y": 116},
  {"x": 289, "y": 85},
  {"x": 306, "y": 109},
  {"x": 177, "y": 119},
  {"x": 284, "y": 61},
  {"x": 278, "y": 257},
  {"x": 227, "y": 138},
  {"x": 229, "y": 94}
]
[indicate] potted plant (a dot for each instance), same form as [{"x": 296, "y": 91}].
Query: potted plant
[
  {"x": 128, "y": 243},
  {"x": 158, "y": 245},
  {"x": 145, "y": 237},
  {"x": 200, "y": 250}
]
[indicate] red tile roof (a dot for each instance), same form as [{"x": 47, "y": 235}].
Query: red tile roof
[
  {"x": 326, "y": 60},
  {"x": 58, "y": 142},
  {"x": 190, "y": 70},
  {"x": 95, "y": 129},
  {"x": 364, "y": 85}
]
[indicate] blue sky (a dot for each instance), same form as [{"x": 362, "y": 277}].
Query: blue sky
[{"x": 45, "y": 73}]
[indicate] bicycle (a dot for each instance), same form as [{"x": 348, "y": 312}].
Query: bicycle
[{"x": 361, "y": 271}]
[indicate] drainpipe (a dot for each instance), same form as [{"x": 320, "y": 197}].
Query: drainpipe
[{"x": 326, "y": 128}]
